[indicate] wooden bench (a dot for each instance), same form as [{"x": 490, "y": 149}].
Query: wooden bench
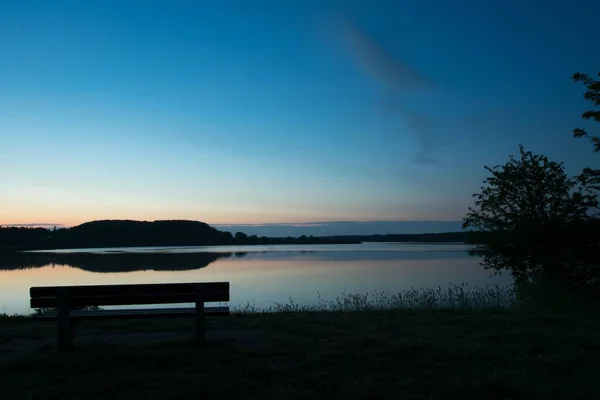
[{"x": 67, "y": 302}]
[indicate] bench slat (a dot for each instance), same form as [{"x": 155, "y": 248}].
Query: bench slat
[
  {"x": 138, "y": 313},
  {"x": 117, "y": 300},
  {"x": 129, "y": 289}
]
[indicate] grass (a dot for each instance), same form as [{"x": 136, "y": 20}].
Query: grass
[
  {"x": 357, "y": 347},
  {"x": 458, "y": 297}
]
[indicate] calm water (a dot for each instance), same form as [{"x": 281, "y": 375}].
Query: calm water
[{"x": 258, "y": 274}]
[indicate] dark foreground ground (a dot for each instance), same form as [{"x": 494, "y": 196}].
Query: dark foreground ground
[{"x": 370, "y": 355}]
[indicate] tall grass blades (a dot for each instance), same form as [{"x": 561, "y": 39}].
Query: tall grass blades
[{"x": 457, "y": 297}]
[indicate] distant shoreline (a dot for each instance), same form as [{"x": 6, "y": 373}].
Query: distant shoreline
[{"x": 126, "y": 233}]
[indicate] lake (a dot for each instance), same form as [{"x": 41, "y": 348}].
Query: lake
[{"x": 259, "y": 275}]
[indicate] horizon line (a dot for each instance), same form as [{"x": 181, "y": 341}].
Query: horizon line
[
  {"x": 266, "y": 224},
  {"x": 299, "y": 224}
]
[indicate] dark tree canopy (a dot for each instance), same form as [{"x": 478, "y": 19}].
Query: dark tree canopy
[
  {"x": 590, "y": 176},
  {"x": 525, "y": 191},
  {"x": 240, "y": 237},
  {"x": 529, "y": 219},
  {"x": 592, "y": 94}
]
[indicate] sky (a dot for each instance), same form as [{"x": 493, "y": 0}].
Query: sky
[{"x": 273, "y": 112}]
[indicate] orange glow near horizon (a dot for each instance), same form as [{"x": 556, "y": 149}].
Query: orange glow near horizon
[
  {"x": 209, "y": 218},
  {"x": 70, "y": 207}
]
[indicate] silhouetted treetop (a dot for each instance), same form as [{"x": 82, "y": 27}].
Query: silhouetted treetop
[
  {"x": 128, "y": 233},
  {"x": 592, "y": 94},
  {"x": 533, "y": 220},
  {"x": 528, "y": 190},
  {"x": 590, "y": 177}
]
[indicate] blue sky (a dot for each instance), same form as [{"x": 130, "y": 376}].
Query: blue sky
[{"x": 237, "y": 112}]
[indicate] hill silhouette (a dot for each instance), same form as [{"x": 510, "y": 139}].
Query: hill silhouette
[
  {"x": 128, "y": 233},
  {"x": 115, "y": 233}
]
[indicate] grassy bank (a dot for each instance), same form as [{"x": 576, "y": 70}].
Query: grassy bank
[
  {"x": 373, "y": 353},
  {"x": 457, "y": 297}
]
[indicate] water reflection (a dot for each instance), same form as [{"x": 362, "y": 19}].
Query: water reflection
[
  {"x": 257, "y": 277},
  {"x": 112, "y": 262}
]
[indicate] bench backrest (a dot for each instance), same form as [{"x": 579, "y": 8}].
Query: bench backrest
[{"x": 114, "y": 295}]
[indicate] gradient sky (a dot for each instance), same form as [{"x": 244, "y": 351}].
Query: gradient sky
[{"x": 235, "y": 112}]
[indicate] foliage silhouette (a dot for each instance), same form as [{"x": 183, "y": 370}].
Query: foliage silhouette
[
  {"x": 532, "y": 219},
  {"x": 23, "y": 238},
  {"x": 592, "y": 94},
  {"x": 240, "y": 237},
  {"x": 590, "y": 176}
]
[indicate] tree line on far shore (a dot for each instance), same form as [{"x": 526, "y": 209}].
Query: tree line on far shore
[{"x": 125, "y": 233}]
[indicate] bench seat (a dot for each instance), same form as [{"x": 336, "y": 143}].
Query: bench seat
[
  {"x": 137, "y": 313},
  {"x": 68, "y": 304}
]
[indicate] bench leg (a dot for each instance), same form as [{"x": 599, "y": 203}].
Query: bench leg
[
  {"x": 65, "y": 333},
  {"x": 200, "y": 317},
  {"x": 65, "y": 325},
  {"x": 201, "y": 328}
]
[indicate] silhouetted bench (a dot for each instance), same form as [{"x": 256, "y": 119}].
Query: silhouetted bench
[{"x": 69, "y": 300}]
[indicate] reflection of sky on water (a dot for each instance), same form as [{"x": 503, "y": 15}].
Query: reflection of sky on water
[
  {"x": 394, "y": 247},
  {"x": 262, "y": 277},
  {"x": 368, "y": 255}
]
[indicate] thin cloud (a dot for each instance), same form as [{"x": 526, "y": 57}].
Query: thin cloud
[
  {"x": 32, "y": 225},
  {"x": 379, "y": 63},
  {"x": 397, "y": 77},
  {"x": 421, "y": 126}
]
